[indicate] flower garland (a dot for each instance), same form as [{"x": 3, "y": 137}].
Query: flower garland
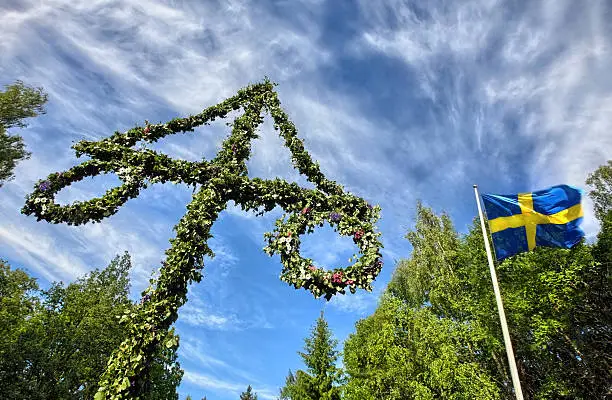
[{"x": 221, "y": 180}]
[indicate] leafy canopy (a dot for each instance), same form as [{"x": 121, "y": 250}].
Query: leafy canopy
[
  {"x": 17, "y": 102},
  {"x": 55, "y": 343},
  {"x": 601, "y": 193}
]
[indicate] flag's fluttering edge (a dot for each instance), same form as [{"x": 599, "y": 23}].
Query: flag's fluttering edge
[{"x": 520, "y": 222}]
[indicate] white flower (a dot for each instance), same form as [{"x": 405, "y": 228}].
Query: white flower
[{"x": 123, "y": 171}]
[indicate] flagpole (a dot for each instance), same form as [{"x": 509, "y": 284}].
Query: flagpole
[{"x": 500, "y": 306}]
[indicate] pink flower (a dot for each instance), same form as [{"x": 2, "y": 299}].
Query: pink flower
[
  {"x": 289, "y": 233},
  {"x": 350, "y": 282},
  {"x": 337, "y": 277},
  {"x": 358, "y": 235},
  {"x": 146, "y": 130},
  {"x": 305, "y": 210},
  {"x": 312, "y": 268}
]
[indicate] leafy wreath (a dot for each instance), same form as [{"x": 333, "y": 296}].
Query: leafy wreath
[{"x": 221, "y": 180}]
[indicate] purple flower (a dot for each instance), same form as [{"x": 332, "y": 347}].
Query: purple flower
[
  {"x": 335, "y": 217},
  {"x": 44, "y": 186},
  {"x": 370, "y": 206},
  {"x": 145, "y": 298},
  {"x": 234, "y": 148}
]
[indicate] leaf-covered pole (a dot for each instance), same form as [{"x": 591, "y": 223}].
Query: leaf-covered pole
[{"x": 221, "y": 180}]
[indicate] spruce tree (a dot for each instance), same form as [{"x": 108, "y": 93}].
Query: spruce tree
[
  {"x": 285, "y": 391},
  {"x": 248, "y": 395},
  {"x": 321, "y": 378}
]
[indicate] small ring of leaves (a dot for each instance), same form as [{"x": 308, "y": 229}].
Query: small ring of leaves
[{"x": 302, "y": 273}]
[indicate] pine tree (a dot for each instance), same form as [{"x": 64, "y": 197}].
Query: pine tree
[
  {"x": 285, "y": 391},
  {"x": 248, "y": 395},
  {"x": 321, "y": 378}
]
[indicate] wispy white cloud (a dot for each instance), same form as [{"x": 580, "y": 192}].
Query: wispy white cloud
[
  {"x": 197, "y": 317},
  {"x": 41, "y": 254},
  {"x": 200, "y": 314},
  {"x": 199, "y": 355},
  {"x": 358, "y": 303},
  {"x": 220, "y": 385},
  {"x": 545, "y": 72},
  {"x": 194, "y": 350}
]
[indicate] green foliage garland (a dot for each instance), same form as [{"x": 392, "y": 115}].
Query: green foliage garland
[{"x": 222, "y": 179}]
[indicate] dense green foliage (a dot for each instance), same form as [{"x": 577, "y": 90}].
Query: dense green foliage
[
  {"x": 405, "y": 353},
  {"x": 55, "y": 343},
  {"x": 321, "y": 378},
  {"x": 223, "y": 179},
  {"x": 17, "y": 103},
  {"x": 436, "y": 332}
]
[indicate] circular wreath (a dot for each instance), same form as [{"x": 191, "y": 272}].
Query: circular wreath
[{"x": 302, "y": 272}]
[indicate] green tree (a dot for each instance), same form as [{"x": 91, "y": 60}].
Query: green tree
[
  {"x": 431, "y": 272},
  {"x": 58, "y": 346},
  {"x": 436, "y": 330},
  {"x": 285, "y": 391},
  {"x": 321, "y": 378},
  {"x": 248, "y": 395},
  {"x": 417, "y": 344},
  {"x": 601, "y": 193},
  {"x": 18, "y": 303},
  {"x": 17, "y": 103},
  {"x": 405, "y": 353}
]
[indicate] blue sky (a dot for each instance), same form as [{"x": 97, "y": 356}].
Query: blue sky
[{"x": 397, "y": 101}]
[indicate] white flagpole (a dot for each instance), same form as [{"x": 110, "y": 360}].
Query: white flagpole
[{"x": 500, "y": 306}]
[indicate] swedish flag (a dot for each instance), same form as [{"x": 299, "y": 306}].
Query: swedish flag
[{"x": 520, "y": 222}]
